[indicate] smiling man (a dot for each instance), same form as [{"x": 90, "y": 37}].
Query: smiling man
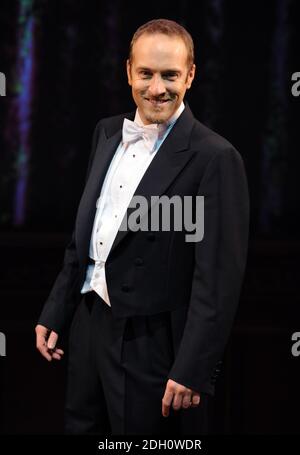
[
  {"x": 150, "y": 313},
  {"x": 160, "y": 69}
]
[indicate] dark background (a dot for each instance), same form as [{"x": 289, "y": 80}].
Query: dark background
[{"x": 64, "y": 63}]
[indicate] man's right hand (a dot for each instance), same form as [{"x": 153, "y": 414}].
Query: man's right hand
[{"x": 46, "y": 340}]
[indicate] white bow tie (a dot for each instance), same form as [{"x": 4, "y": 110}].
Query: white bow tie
[{"x": 133, "y": 132}]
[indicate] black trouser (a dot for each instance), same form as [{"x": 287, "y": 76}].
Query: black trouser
[{"x": 117, "y": 375}]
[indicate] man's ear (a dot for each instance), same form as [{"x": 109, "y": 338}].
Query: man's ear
[
  {"x": 128, "y": 68},
  {"x": 191, "y": 75}
]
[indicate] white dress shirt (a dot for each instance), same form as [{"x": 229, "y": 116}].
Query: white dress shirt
[{"x": 124, "y": 174}]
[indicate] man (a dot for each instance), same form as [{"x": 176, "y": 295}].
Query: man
[{"x": 153, "y": 310}]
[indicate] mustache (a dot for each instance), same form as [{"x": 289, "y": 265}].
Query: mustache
[{"x": 170, "y": 97}]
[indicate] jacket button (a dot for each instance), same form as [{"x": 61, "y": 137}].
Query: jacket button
[
  {"x": 125, "y": 288},
  {"x": 138, "y": 261},
  {"x": 151, "y": 237}
]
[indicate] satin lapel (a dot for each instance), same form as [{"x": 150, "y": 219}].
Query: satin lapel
[
  {"x": 165, "y": 166},
  {"x": 87, "y": 208}
]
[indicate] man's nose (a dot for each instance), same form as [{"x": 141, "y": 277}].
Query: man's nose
[{"x": 157, "y": 86}]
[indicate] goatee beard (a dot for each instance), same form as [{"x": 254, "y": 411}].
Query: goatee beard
[{"x": 156, "y": 121}]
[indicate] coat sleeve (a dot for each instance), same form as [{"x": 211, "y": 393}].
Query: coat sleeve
[
  {"x": 220, "y": 259},
  {"x": 63, "y": 298}
]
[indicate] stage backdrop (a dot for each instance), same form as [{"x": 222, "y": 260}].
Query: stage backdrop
[{"x": 64, "y": 63}]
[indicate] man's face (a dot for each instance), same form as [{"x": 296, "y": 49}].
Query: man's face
[{"x": 159, "y": 76}]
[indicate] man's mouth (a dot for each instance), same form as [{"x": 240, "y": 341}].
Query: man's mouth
[{"x": 157, "y": 102}]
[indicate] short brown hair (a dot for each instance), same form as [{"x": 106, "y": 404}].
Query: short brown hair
[{"x": 166, "y": 27}]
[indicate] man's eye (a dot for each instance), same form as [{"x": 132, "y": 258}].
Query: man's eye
[
  {"x": 170, "y": 76},
  {"x": 145, "y": 75}
]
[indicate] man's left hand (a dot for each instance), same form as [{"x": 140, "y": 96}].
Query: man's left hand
[{"x": 181, "y": 396}]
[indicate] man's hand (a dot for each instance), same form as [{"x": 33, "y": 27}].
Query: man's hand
[
  {"x": 181, "y": 396},
  {"x": 46, "y": 340}
]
